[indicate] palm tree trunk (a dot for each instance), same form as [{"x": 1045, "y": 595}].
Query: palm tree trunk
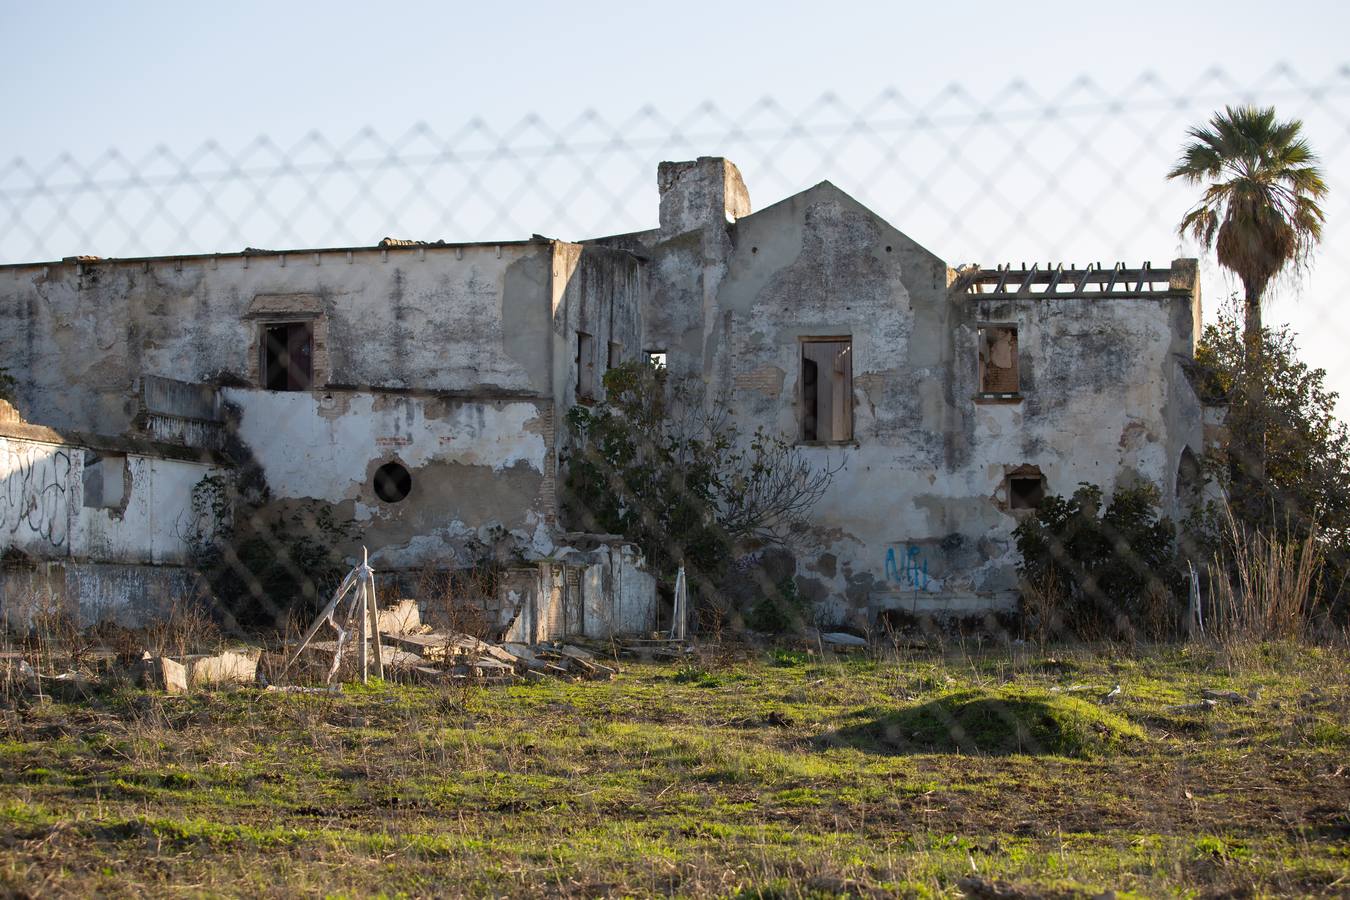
[{"x": 1252, "y": 443}]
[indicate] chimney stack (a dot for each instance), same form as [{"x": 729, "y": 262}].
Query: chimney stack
[{"x": 706, "y": 191}]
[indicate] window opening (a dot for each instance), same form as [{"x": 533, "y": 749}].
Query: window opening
[
  {"x": 827, "y": 390},
  {"x": 1190, "y": 478},
  {"x": 288, "y": 356},
  {"x": 615, "y": 355},
  {"x": 657, "y": 358},
  {"x": 104, "y": 479},
  {"x": 585, "y": 366},
  {"x": 998, "y": 359},
  {"x": 1025, "y": 491},
  {"x": 392, "y": 482}
]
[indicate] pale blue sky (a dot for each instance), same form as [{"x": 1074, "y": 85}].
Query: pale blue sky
[{"x": 83, "y": 76}]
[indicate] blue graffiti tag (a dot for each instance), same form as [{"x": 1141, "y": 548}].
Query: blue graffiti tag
[{"x": 914, "y": 572}]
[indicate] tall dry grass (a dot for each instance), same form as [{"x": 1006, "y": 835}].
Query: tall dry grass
[{"x": 1264, "y": 586}]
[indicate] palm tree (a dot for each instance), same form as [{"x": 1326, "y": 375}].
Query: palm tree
[{"x": 1259, "y": 212}]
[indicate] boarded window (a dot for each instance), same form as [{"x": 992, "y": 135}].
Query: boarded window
[
  {"x": 288, "y": 356},
  {"x": 585, "y": 365},
  {"x": 104, "y": 479},
  {"x": 827, "y": 390},
  {"x": 998, "y": 359},
  {"x": 615, "y": 355}
]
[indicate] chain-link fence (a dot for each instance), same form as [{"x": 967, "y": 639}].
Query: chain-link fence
[
  {"x": 1073, "y": 174},
  {"x": 1169, "y": 772},
  {"x": 1076, "y": 174},
  {"x": 1022, "y": 173}
]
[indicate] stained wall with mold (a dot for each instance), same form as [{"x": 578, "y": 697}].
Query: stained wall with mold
[
  {"x": 918, "y": 516},
  {"x": 450, "y": 362}
]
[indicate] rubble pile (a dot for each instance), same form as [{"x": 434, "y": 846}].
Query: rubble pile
[
  {"x": 409, "y": 650},
  {"x": 413, "y": 651}
]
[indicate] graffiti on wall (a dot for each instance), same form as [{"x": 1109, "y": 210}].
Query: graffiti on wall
[
  {"x": 911, "y": 570},
  {"x": 748, "y": 561},
  {"x": 34, "y": 482}
]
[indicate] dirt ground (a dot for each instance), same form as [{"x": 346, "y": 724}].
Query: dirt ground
[{"x": 741, "y": 774}]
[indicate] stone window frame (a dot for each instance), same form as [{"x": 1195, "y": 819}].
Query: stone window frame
[
  {"x": 269, "y": 310},
  {"x": 985, "y": 396},
  {"x": 1025, "y": 471},
  {"x": 851, "y": 440}
]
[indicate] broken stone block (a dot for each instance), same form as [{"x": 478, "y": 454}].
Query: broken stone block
[
  {"x": 229, "y": 667},
  {"x": 164, "y": 674},
  {"x": 843, "y": 639},
  {"x": 401, "y": 618}
]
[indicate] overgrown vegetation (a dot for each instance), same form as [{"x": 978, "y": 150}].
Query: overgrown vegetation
[
  {"x": 1101, "y": 570},
  {"x": 1265, "y": 585},
  {"x": 1306, "y": 486},
  {"x": 681, "y": 482},
  {"x": 718, "y": 778},
  {"x": 8, "y": 385},
  {"x": 1261, "y": 212},
  {"x": 265, "y": 566}
]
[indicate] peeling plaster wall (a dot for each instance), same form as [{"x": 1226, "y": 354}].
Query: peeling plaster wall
[
  {"x": 130, "y": 595},
  {"x": 42, "y": 511},
  {"x": 475, "y": 464},
  {"x": 916, "y": 518},
  {"x": 126, "y": 563},
  {"x": 619, "y": 596},
  {"x": 598, "y": 291},
  {"x": 79, "y": 336}
]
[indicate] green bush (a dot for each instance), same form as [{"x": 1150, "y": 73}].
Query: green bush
[
  {"x": 780, "y": 610},
  {"x": 1102, "y": 572}
]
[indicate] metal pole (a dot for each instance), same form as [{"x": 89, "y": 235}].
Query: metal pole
[{"x": 361, "y": 643}]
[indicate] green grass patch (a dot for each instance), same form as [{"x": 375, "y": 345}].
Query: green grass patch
[{"x": 998, "y": 721}]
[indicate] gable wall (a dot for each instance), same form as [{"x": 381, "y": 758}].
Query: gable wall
[{"x": 917, "y": 516}]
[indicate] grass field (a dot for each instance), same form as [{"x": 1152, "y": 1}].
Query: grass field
[{"x": 763, "y": 775}]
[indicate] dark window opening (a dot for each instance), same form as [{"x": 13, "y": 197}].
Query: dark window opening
[
  {"x": 1025, "y": 491},
  {"x": 998, "y": 359},
  {"x": 104, "y": 479},
  {"x": 585, "y": 366},
  {"x": 827, "y": 390},
  {"x": 392, "y": 482},
  {"x": 288, "y": 356},
  {"x": 1190, "y": 478}
]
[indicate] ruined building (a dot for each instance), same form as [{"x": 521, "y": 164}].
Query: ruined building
[{"x": 419, "y": 391}]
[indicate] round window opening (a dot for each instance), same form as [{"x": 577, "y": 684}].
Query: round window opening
[{"x": 392, "y": 482}]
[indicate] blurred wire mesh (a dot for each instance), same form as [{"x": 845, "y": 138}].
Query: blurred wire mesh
[
  {"x": 1018, "y": 174},
  {"x": 1021, "y": 174}
]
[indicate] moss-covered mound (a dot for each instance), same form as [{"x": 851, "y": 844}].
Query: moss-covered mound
[{"x": 1001, "y": 721}]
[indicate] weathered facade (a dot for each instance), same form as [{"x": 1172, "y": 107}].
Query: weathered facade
[{"x": 419, "y": 390}]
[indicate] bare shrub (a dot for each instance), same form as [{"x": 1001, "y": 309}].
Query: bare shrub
[
  {"x": 459, "y": 597},
  {"x": 1043, "y": 602},
  {"x": 1159, "y": 612},
  {"x": 187, "y": 628},
  {"x": 1264, "y": 586}
]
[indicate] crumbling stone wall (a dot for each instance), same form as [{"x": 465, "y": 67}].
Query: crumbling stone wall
[{"x": 919, "y": 517}]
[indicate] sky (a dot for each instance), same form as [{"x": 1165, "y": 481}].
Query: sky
[{"x": 83, "y": 78}]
